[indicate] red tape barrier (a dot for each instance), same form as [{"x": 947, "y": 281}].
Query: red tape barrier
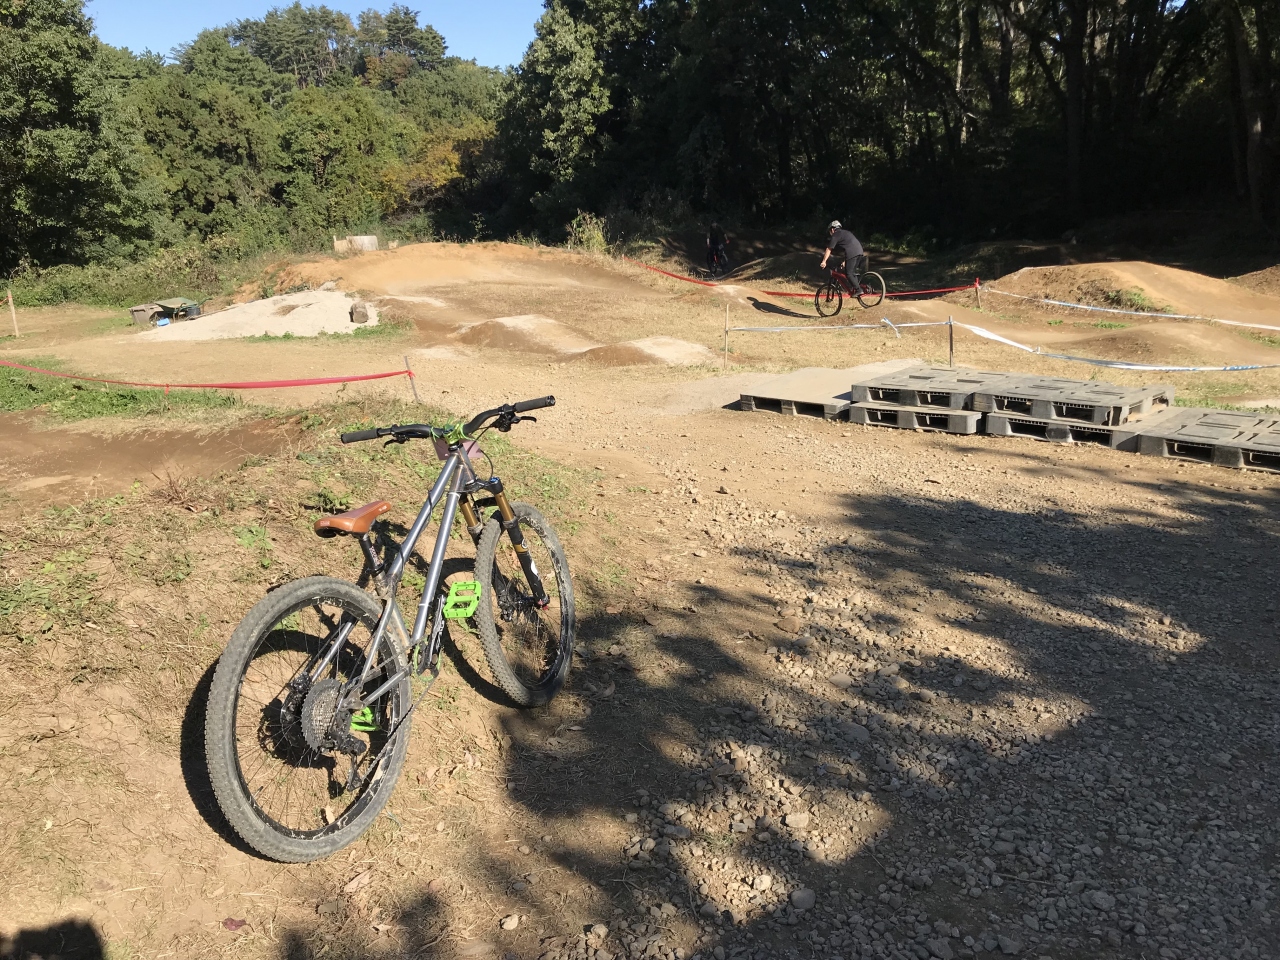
[
  {"x": 248, "y": 385},
  {"x": 787, "y": 293}
]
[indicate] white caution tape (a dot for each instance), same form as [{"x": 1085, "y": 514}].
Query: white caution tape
[{"x": 1130, "y": 313}]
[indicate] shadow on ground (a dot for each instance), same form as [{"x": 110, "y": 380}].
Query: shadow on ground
[{"x": 989, "y": 730}]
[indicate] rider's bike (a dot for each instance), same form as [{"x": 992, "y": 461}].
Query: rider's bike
[
  {"x": 717, "y": 261},
  {"x": 866, "y": 285},
  {"x": 307, "y": 725}
]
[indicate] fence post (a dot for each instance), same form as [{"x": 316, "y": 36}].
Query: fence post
[
  {"x": 951, "y": 342},
  {"x": 725, "y": 366},
  {"x": 13, "y": 314},
  {"x": 977, "y": 291},
  {"x": 413, "y": 381}
]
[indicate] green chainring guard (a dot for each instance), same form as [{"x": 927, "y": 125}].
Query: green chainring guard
[{"x": 463, "y": 598}]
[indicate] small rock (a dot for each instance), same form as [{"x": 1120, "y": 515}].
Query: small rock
[
  {"x": 600, "y": 931},
  {"x": 939, "y": 949},
  {"x": 709, "y": 909},
  {"x": 762, "y": 882},
  {"x": 926, "y": 696},
  {"x": 891, "y": 670},
  {"x": 841, "y": 681},
  {"x": 524, "y": 849},
  {"x": 510, "y": 922},
  {"x": 1008, "y": 945},
  {"x": 803, "y": 899},
  {"x": 790, "y": 625},
  {"x": 797, "y": 821},
  {"x": 856, "y": 732},
  {"x": 1102, "y": 901},
  {"x": 329, "y": 908}
]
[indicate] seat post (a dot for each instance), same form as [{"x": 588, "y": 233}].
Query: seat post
[{"x": 370, "y": 555}]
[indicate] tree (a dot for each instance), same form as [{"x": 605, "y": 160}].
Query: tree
[{"x": 68, "y": 177}]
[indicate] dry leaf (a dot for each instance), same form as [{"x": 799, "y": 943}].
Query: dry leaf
[{"x": 359, "y": 882}]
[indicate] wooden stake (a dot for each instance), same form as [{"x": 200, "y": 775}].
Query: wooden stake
[
  {"x": 951, "y": 342},
  {"x": 977, "y": 291},
  {"x": 413, "y": 381},
  {"x": 13, "y": 314}
]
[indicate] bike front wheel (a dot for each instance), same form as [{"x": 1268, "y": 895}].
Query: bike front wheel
[
  {"x": 871, "y": 289},
  {"x": 528, "y": 643},
  {"x": 828, "y": 300},
  {"x": 297, "y": 776}
]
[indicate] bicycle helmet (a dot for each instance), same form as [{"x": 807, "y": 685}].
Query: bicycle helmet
[{"x": 833, "y": 225}]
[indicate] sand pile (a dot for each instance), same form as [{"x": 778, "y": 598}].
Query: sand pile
[{"x": 304, "y": 314}]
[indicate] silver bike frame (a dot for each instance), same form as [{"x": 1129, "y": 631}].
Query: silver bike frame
[{"x": 454, "y": 476}]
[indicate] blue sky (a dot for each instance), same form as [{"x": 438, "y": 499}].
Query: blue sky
[{"x": 492, "y": 32}]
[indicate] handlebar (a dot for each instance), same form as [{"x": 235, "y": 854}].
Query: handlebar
[{"x": 506, "y": 415}]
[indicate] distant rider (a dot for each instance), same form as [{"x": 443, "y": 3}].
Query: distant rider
[
  {"x": 717, "y": 243},
  {"x": 845, "y": 246}
]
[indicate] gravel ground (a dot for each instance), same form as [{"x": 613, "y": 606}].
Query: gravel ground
[{"x": 1021, "y": 721}]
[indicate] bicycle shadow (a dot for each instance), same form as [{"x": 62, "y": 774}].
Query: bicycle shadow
[{"x": 773, "y": 308}]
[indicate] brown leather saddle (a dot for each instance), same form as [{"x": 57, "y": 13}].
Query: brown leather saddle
[{"x": 357, "y": 520}]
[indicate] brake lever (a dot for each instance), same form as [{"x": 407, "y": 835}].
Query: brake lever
[{"x": 392, "y": 440}]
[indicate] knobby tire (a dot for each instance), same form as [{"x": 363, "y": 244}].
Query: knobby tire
[
  {"x": 509, "y": 627},
  {"x": 271, "y": 618}
]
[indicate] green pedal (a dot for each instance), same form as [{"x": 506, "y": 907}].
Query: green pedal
[{"x": 463, "y": 598}]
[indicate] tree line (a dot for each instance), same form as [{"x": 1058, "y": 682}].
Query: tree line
[{"x": 956, "y": 119}]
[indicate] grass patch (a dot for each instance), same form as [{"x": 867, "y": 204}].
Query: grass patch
[
  {"x": 1133, "y": 299},
  {"x": 1111, "y": 325},
  {"x": 70, "y": 400},
  {"x": 384, "y": 329},
  {"x": 1261, "y": 338}
]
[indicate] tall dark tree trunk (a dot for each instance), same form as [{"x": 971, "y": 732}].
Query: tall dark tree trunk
[
  {"x": 1073, "y": 63},
  {"x": 1251, "y": 97}
]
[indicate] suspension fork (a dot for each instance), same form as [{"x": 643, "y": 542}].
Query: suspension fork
[{"x": 512, "y": 526}]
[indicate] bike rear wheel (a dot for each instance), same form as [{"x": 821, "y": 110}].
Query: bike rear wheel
[
  {"x": 871, "y": 289},
  {"x": 294, "y": 778},
  {"x": 528, "y": 647},
  {"x": 828, "y": 299}
]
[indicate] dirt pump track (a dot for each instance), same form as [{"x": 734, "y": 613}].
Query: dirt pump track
[{"x": 966, "y": 695}]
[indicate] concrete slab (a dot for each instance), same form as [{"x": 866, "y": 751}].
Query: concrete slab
[
  {"x": 942, "y": 419},
  {"x": 1080, "y": 401},
  {"x": 814, "y": 391},
  {"x": 1061, "y": 431},
  {"x": 1227, "y": 438},
  {"x": 926, "y": 386}
]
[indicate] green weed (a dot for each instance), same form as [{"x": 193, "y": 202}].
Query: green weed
[
  {"x": 1111, "y": 325},
  {"x": 1133, "y": 299},
  {"x": 255, "y": 539}
]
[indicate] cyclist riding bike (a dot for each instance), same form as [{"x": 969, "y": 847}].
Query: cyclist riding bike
[
  {"x": 717, "y": 243},
  {"x": 845, "y": 245},
  {"x": 852, "y": 279}
]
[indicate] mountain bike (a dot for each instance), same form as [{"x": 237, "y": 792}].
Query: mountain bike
[
  {"x": 717, "y": 262},
  {"x": 307, "y": 725},
  {"x": 868, "y": 287}
]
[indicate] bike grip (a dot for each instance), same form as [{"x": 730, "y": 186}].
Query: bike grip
[
  {"x": 357, "y": 435},
  {"x": 526, "y": 405}
]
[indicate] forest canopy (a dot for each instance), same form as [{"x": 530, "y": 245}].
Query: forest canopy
[{"x": 955, "y": 119}]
